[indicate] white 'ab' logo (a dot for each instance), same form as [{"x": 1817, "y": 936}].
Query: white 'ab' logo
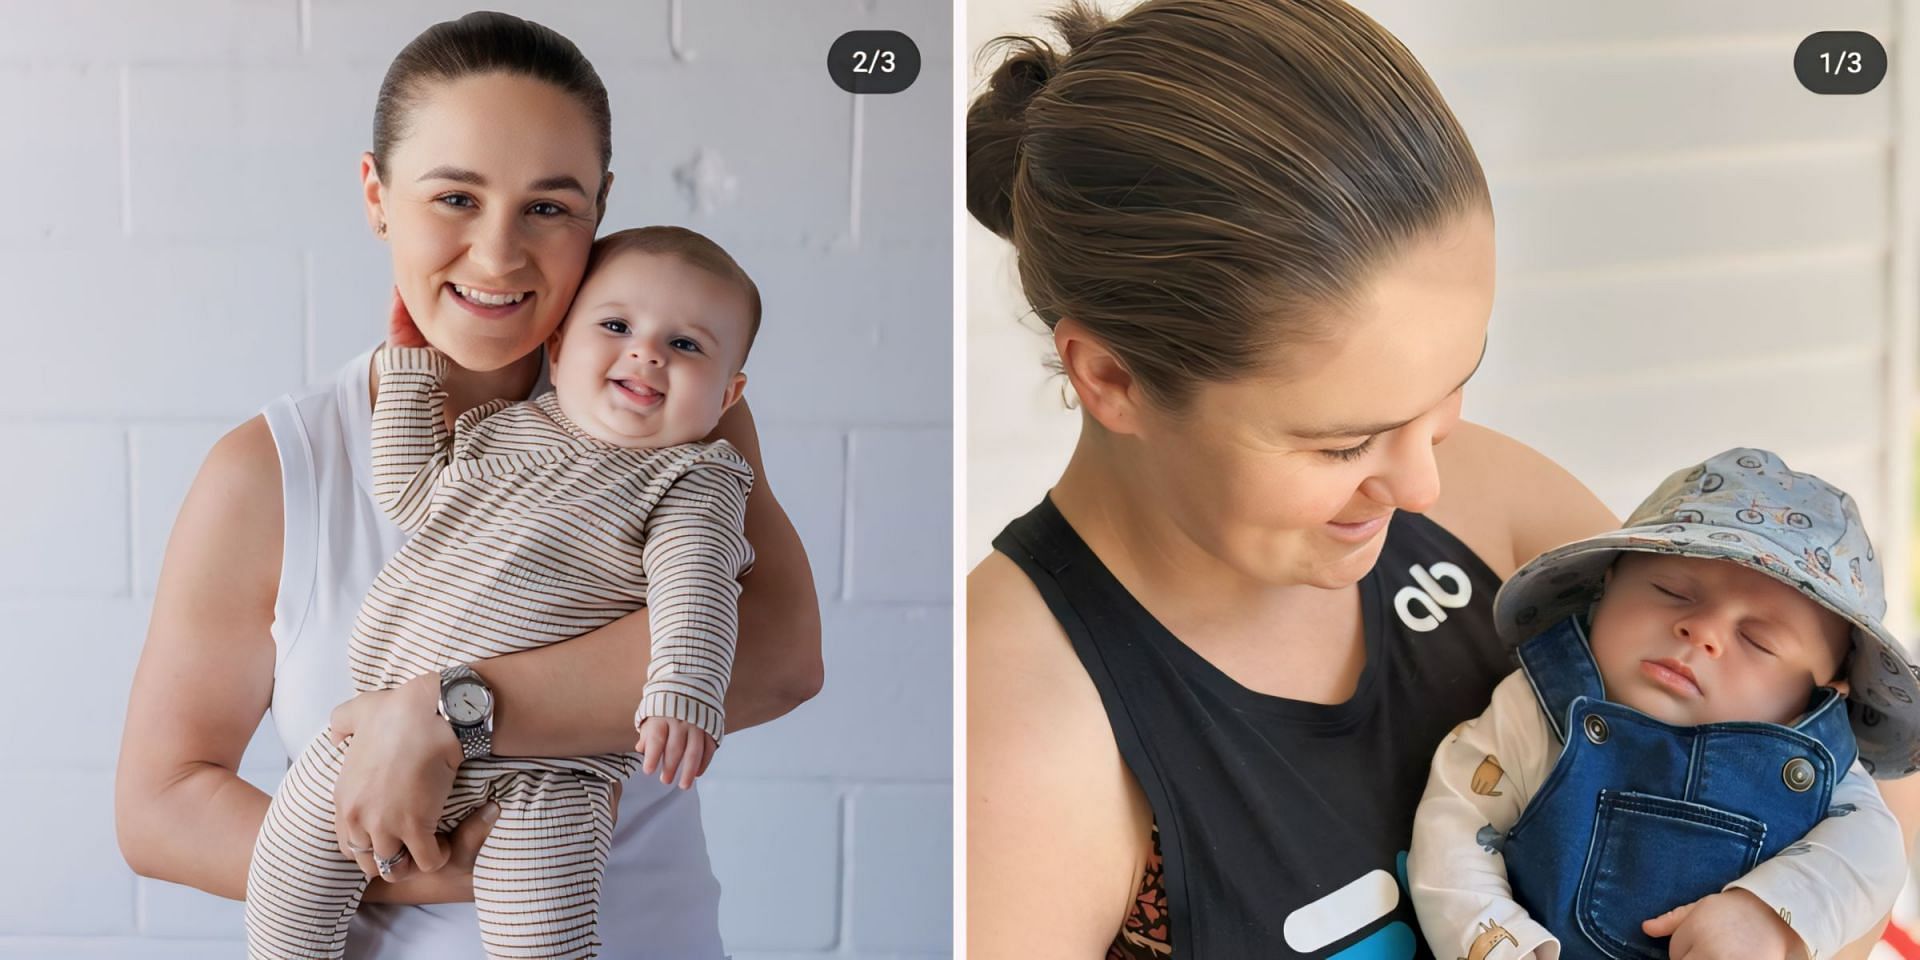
[{"x": 1429, "y": 594}]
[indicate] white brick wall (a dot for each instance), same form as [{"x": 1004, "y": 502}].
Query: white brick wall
[
  {"x": 1693, "y": 252},
  {"x": 186, "y": 242}
]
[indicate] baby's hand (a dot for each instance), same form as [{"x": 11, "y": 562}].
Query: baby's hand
[
  {"x": 1734, "y": 925},
  {"x": 677, "y": 749}
]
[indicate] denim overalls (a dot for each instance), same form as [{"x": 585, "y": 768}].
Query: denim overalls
[{"x": 1638, "y": 817}]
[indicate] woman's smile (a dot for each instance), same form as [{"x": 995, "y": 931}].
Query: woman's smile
[
  {"x": 492, "y": 306},
  {"x": 1357, "y": 532}
]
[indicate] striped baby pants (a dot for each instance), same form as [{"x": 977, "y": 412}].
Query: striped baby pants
[{"x": 536, "y": 883}]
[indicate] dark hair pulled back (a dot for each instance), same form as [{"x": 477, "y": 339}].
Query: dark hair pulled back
[
  {"x": 479, "y": 43},
  {"x": 1199, "y": 181}
]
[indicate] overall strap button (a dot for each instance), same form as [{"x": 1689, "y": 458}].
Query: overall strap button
[
  {"x": 1597, "y": 730},
  {"x": 1798, "y": 775}
]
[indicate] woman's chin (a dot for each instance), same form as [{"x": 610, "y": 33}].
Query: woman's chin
[
  {"x": 1346, "y": 567},
  {"x": 481, "y": 354}
]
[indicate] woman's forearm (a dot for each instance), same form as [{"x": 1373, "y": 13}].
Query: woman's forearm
[
  {"x": 199, "y": 831},
  {"x": 567, "y": 699}
]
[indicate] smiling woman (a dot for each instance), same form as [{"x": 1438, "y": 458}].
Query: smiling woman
[
  {"x": 1227, "y": 604},
  {"x": 282, "y": 535},
  {"x": 1264, "y": 251},
  {"x": 489, "y": 235}
]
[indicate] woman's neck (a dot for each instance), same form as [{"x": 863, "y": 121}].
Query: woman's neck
[
  {"x": 467, "y": 389},
  {"x": 1114, "y": 508}
]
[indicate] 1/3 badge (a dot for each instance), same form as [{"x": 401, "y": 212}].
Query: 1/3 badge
[{"x": 1840, "y": 61}]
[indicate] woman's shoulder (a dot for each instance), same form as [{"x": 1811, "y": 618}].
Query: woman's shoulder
[
  {"x": 233, "y": 510},
  {"x": 244, "y": 465},
  {"x": 1000, "y": 595},
  {"x": 1507, "y": 501},
  {"x": 1058, "y": 833},
  {"x": 1018, "y": 642}
]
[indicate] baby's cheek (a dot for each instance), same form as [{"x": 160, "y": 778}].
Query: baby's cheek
[
  {"x": 1607, "y": 655},
  {"x": 1788, "y": 700}
]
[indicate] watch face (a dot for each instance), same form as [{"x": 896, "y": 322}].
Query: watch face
[{"x": 466, "y": 702}]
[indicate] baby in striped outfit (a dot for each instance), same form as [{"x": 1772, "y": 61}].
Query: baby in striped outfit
[{"x": 534, "y": 522}]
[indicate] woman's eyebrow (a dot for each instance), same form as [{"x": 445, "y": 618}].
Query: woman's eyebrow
[
  {"x": 1346, "y": 430},
  {"x": 461, "y": 175}
]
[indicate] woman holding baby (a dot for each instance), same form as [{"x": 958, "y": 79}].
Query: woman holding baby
[
  {"x": 279, "y": 537},
  {"x": 1207, "y": 673}
]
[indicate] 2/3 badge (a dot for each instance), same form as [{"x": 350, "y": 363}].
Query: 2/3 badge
[{"x": 873, "y": 61}]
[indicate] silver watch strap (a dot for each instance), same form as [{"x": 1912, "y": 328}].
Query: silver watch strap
[{"x": 476, "y": 740}]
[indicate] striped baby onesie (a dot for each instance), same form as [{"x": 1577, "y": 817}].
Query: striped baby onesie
[{"x": 526, "y": 531}]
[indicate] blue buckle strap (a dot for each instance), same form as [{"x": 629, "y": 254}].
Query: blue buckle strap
[{"x": 1560, "y": 666}]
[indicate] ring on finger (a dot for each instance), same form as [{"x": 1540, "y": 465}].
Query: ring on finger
[
  {"x": 386, "y": 864},
  {"x": 353, "y": 849}
]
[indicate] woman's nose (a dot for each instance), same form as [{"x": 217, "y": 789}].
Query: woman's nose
[
  {"x": 1411, "y": 480},
  {"x": 497, "y": 249}
]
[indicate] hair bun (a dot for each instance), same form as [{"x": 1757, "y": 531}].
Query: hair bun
[{"x": 996, "y": 122}]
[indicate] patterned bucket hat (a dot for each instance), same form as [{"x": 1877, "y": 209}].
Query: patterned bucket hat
[{"x": 1747, "y": 507}]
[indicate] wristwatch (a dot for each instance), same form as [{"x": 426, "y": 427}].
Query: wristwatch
[{"x": 467, "y": 703}]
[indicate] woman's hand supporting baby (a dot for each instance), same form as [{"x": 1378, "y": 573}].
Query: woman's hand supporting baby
[
  {"x": 396, "y": 775},
  {"x": 452, "y": 883},
  {"x": 394, "y": 781},
  {"x": 1732, "y": 925}
]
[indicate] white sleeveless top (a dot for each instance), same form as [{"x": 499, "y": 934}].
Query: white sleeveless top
[{"x": 660, "y": 898}]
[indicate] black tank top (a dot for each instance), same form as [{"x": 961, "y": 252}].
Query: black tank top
[{"x": 1283, "y": 824}]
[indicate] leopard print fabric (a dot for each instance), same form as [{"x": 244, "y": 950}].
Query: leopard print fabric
[{"x": 1147, "y": 932}]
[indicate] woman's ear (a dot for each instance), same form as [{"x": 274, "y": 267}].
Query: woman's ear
[
  {"x": 1107, "y": 389},
  {"x": 374, "y": 192}
]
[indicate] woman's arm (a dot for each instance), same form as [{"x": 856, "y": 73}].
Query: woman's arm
[
  {"x": 205, "y": 679},
  {"x": 1058, "y": 832}
]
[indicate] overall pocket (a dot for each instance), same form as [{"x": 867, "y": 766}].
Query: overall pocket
[{"x": 1650, "y": 854}]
